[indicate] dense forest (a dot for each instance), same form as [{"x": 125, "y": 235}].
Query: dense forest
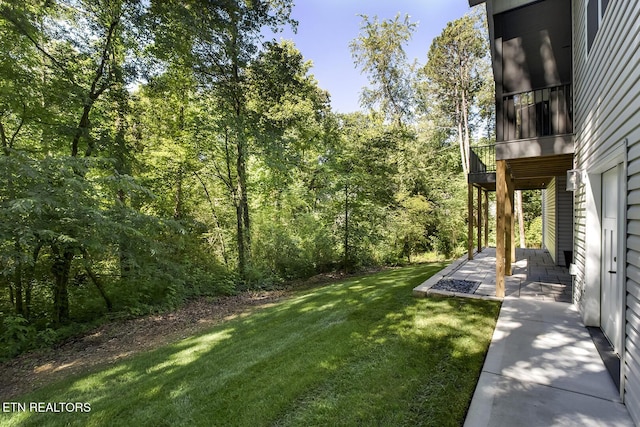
[{"x": 156, "y": 151}]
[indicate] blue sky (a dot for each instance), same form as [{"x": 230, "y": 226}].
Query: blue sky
[{"x": 327, "y": 26}]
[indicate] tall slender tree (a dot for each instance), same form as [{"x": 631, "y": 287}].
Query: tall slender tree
[
  {"x": 454, "y": 76},
  {"x": 379, "y": 51}
]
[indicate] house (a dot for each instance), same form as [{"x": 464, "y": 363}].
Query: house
[{"x": 567, "y": 76}]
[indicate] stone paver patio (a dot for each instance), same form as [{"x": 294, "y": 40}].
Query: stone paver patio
[{"x": 534, "y": 276}]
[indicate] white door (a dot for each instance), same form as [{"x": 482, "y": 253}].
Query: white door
[{"x": 611, "y": 297}]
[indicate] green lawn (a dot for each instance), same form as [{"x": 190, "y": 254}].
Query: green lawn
[{"x": 358, "y": 352}]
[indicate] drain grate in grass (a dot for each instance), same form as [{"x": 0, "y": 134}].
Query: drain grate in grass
[{"x": 457, "y": 285}]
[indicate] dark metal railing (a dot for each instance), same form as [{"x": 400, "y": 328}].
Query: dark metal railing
[
  {"x": 536, "y": 113},
  {"x": 482, "y": 159}
]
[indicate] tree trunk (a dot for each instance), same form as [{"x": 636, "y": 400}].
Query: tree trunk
[
  {"x": 3, "y": 140},
  {"x": 17, "y": 283},
  {"x": 241, "y": 173},
  {"x": 243, "y": 196},
  {"x": 82, "y": 130},
  {"x": 463, "y": 156},
  {"x": 238, "y": 105},
  {"x": 18, "y": 280},
  {"x": 177, "y": 210},
  {"x": 465, "y": 124},
  {"x": 96, "y": 280},
  {"x": 234, "y": 188},
  {"x": 61, "y": 269},
  {"x": 97, "y": 88},
  {"x": 12, "y": 297},
  {"x": 242, "y": 265},
  {"x": 463, "y": 132},
  {"x": 27, "y": 301},
  {"x": 215, "y": 219},
  {"x": 242, "y": 206},
  {"x": 346, "y": 228},
  {"x": 30, "y": 278}
]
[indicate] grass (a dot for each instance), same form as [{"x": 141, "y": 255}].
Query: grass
[{"x": 358, "y": 352}]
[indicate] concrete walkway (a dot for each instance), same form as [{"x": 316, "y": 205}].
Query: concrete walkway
[{"x": 542, "y": 367}]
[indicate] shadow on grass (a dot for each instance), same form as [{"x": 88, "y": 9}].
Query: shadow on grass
[{"x": 359, "y": 352}]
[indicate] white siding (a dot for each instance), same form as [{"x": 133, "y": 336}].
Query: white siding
[
  {"x": 550, "y": 223},
  {"x": 606, "y": 112}
]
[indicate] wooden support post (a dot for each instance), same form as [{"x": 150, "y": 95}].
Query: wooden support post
[
  {"x": 470, "y": 221},
  {"x": 508, "y": 238},
  {"x": 479, "y": 222},
  {"x": 486, "y": 219},
  {"x": 501, "y": 195}
]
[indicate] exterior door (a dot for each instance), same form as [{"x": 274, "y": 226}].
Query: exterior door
[{"x": 611, "y": 297}]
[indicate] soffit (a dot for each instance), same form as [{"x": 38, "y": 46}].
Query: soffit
[{"x": 536, "y": 172}]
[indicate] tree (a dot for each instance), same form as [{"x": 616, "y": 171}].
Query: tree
[
  {"x": 379, "y": 51},
  {"x": 221, "y": 39},
  {"x": 454, "y": 76},
  {"x": 364, "y": 174},
  {"x": 79, "y": 43},
  {"x": 436, "y": 174},
  {"x": 286, "y": 107},
  {"x": 288, "y": 122},
  {"x": 411, "y": 217}
]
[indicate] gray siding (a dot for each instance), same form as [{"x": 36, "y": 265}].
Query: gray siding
[
  {"x": 549, "y": 220},
  {"x": 606, "y": 112}
]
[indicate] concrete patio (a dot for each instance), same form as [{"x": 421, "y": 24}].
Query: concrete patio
[{"x": 542, "y": 367}]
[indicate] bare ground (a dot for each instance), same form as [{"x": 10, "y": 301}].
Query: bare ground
[{"x": 114, "y": 341}]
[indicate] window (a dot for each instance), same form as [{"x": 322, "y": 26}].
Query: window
[{"x": 595, "y": 12}]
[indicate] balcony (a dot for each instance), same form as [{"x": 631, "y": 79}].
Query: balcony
[
  {"x": 482, "y": 158},
  {"x": 538, "y": 113},
  {"x": 482, "y": 166},
  {"x": 527, "y": 173},
  {"x": 535, "y": 123}
]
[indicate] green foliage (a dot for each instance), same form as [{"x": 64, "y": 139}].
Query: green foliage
[
  {"x": 456, "y": 62},
  {"x": 363, "y": 191},
  {"x": 293, "y": 247},
  {"x": 532, "y": 204},
  {"x": 380, "y": 52},
  {"x": 533, "y": 233},
  {"x": 221, "y": 169},
  {"x": 15, "y": 334}
]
